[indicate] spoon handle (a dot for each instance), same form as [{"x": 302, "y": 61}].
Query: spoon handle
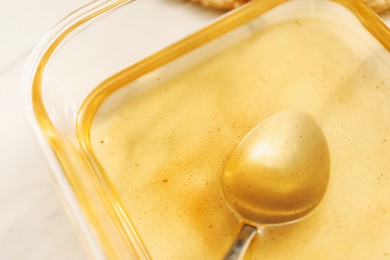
[{"x": 240, "y": 245}]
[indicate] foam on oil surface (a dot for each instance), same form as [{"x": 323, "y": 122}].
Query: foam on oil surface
[{"x": 164, "y": 149}]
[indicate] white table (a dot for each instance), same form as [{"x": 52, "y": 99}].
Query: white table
[{"x": 34, "y": 223}]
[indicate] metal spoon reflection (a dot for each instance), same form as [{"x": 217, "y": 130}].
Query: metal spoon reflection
[{"x": 277, "y": 174}]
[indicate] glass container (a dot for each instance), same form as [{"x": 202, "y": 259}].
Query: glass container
[{"x": 114, "y": 54}]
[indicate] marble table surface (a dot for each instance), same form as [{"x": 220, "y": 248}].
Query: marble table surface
[{"x": 34, "y": 224}]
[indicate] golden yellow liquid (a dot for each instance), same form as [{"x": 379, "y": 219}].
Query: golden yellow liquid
[{"x": 164, "y": 147}]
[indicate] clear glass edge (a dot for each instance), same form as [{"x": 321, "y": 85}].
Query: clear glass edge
[{"x": 88, "y": 237}]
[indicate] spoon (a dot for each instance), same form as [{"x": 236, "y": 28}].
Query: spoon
[{"x": 276, "y": 175}]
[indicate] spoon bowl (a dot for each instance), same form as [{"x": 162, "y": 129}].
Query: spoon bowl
[{"x": 277, "y": 174}]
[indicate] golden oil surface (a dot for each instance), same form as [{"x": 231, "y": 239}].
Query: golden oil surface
[{"x": 164, "y": 148}]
